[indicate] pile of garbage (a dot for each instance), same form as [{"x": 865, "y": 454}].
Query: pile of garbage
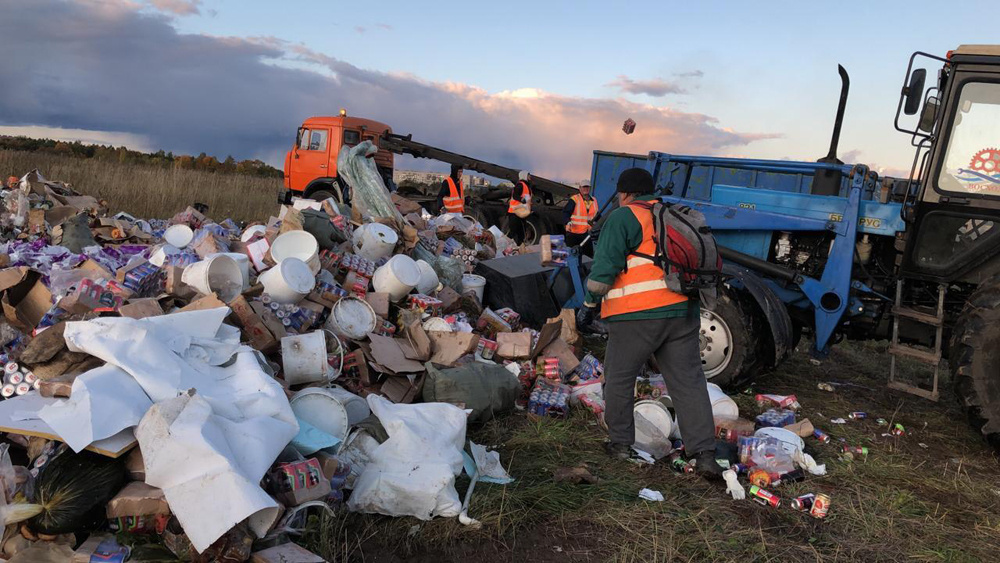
[{"x": 206, "y": 386}]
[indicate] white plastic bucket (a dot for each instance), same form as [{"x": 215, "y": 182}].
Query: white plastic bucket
[
  {"x": 178, "y": 235},
  {"x": 472, "y": 282},
  {"x": 218, "y": 273},
  {"x": 289, "y": 281},
  {"x": 374, "y": 241},
  {"x": 252, "y": 231},
  {"x": 653, "y": 427},
  {"x": 357, "y": 408},
  {"x": 723, "y": 406},
  {"x": 397, "y": 277},
  {"x": 303, "y": 358},
  {"x": 322, "y": 410},
  {"x": 244, "y": 263},
  {"x": 159, "y": 256},
  {"x": 296, "y": 244},
  {"x": 351, "y": 318},
  {"x": 429, "y": 281}
]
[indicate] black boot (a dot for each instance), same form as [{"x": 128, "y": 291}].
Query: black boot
[
  {"x": 707, "y": 467},
  {"x": 618, "y": 451}
]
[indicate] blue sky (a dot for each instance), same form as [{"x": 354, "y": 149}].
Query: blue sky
[{"x": 754, "y": 79}]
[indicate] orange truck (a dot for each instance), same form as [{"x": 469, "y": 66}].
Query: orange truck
[{"x": 311, "y": 165}]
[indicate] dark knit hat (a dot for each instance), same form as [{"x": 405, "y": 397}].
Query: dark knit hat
[{"x": 636, "y": 181}]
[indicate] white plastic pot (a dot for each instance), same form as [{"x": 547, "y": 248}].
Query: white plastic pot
[
  {"x": 289, "y": 281},
  {"x": 159, "y": 256},
  {"x": 477, "y": 284},
  {"x": 244, "y": 263},
  {"x": 429, "y": 281},
  {"x": 304, "y": 359},
  {"x": 374, "y": 241},
  {"x": 252, "y": 231},
  {"x": 219, "y": 274},
  {"x": 178, "y": 235},
  {"x": 322, "y": 410},
  {"x": 296, "y": 244},
  {"x": 653, "y": 427},
  {"x": 723, "y": 406},
  {"x": 397, "y": 277},
  {"x": 351, "y": 318}
]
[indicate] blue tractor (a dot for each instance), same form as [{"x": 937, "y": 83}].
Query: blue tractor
[{"x": 834, "y": 251}]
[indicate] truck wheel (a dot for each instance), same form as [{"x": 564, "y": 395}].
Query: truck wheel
[
  {"x": 534, "y": 228},
  {"x": 728, "y": 349},
  {"x": 974, "y": 362}
]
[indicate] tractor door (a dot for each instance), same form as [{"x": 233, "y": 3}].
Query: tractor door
[
  {"x": 310, "y": 157},
  {"x": 956, "y": 231}
]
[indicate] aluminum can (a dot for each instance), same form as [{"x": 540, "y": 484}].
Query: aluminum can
[
  {"x": 803, "y": 503},
  {"x": 821, "y": 436},
  {"x": 820, "y": 507},
  {"x": 765, "y": 497},
  {"x": 858, "y": 415}
]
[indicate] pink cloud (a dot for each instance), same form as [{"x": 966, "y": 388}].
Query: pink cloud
[
  {"x": 178, "y": 7},
  {"x": 656, "y": 87}
]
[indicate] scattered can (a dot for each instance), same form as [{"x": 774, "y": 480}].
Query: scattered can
[
  {"x": 881, "y": 421},
  {"x": 858, "y": 415},
  {"x": 823, "y": 437},
  {"x": 7, "y": 391},
  {"x": 820, "y": 507},
  {"x": 825, "y": 387},
  {"x": 803, "y": 503},
  {"x": 855, "y": 450},
  {"x": 765, "y": 497},
  {"x": 897, "y": 430},
  {"x": 10, "y": 368},
  {"x": 759, "y": 477},
  {"x": 22, "y": 388},
  {"x": 15, "y": 378}
]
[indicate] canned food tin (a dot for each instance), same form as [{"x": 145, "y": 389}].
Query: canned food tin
[
  {"x": 7, "y": 390},
  {"x": 22, "y": 388},
  {"x": 11, "y": 367},
  {"x": 15, "y": 378},
  {"x": 821, "y": 506}
]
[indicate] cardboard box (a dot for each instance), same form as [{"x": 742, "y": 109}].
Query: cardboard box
[
  {"x": 253, "y": 327},
  {"x": 272, "y": 323},
  {"x": 135, "y": 465},
  {"x": 379, "y": 302},
  {"x": 25, "y": 298},
  {"x": 448, "y": 347},
  {"x": 328, "y": 463},
  {"x": 286, "y": 553},
  {"x": 401, "y": 389},
  {"x": 514, "y": 345},
  {"x": 450, "y": 299},
  {"x": 389, "y": 354},
  {"x": 567, "y": 357},
  {"x": 141, "y": 308},
  {"x": 204, "y": 302},
  {"x": 803, "y": 428},
  {"x": 138, "y": 499},
  {"x": 95, "y": 271},
  {"x": 295, "y": 483}
]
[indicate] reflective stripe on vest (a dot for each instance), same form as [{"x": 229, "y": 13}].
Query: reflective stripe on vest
[
  {"x": 583, "y": 212},
  {"x": 518, "y": 204},
  {"x": 455, "y": 201},
  {"x": 641, "y": 286}
]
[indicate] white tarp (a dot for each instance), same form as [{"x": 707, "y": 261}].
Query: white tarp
[{"x": 217, "y": 422}]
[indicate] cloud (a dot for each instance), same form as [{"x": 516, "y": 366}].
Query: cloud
[
  {"x": 656, "y": 87},
  {"x": 80, "y": 66},
  {"x": 178, "y": 7},
  {"x": 384, "y": 26},
  {"x": 690, "y": 74}
]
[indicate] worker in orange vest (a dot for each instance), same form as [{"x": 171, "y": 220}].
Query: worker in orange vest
[
  {"x": 579, "y": 215},
  {"x": 520, "y": 203},
  {"x": 451, "y": 197},
  {"x": 646, "y": 319}
]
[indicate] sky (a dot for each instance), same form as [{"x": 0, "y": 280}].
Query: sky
[{"x": 532, "y": 85}]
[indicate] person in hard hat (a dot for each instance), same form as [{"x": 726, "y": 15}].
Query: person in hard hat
[
  {"x": 645, "y": 319},
  {"x": 451, "y": 197},
  {"x": 519, "y": 207},
  {"x": 578, "y": 215}
]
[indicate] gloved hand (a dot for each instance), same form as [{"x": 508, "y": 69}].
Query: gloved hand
[{"x": 586, "y": 315}]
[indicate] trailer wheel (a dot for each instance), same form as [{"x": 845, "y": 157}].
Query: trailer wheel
[
  {"x": 975, "y": 363},
  {"x": 728, "y": 347}
]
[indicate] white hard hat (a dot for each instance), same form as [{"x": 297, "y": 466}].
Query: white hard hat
[
  {"x": 584, "y": 183},
  {"x": 522, "y": 175}
]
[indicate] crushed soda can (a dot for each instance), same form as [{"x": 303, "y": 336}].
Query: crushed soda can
[
  {"x": 858, "y": 415},
  {"x": 897, "y": 430},
  {"x": 803, "y": 503},
  {"x": 823, "y": 437},
  {"x": 855, "y": 450}
]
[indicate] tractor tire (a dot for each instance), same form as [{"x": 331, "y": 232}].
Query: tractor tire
[
  {"x": 729, "y": 349},
  {"x": 975, "y": 361},
  {"x": 534, "y": 229},
  {"x": 321, "y": 195}
]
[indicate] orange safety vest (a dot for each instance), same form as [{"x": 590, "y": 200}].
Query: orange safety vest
[
  {"x": 455, "y": 201},
  {"x": 519, "y": 203},
  {"x": 583, "y": 213},
  {"x": 641, "y": 285}
]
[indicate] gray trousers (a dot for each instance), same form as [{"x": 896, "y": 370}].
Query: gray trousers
[{"x": 674, "y": 344}]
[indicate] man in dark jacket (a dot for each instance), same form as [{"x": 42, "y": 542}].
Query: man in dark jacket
[{"x": 451, "y": 196}]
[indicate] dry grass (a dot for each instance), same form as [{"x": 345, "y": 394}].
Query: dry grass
[
  {"x": 152, "y": 192},
  {"x": 905, "y": 502}
]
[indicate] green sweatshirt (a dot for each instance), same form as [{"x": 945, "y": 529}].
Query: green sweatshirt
[{"x": 620, "y": 236}]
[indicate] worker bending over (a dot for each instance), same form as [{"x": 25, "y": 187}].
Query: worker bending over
[
  {"x": 519, "y": 208},
  {"x": 451, "y": 197},
  {"x": 578, "y": 216},
  {"x": 645, "y": 319}
]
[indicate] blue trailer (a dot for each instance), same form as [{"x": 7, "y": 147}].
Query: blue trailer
[{"x": 831, "y": 250}]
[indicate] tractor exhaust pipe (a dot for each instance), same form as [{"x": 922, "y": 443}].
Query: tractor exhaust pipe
[{"x": 827, "y": 182}]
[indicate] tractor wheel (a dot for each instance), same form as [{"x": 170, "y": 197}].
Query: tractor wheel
[
  {"x": 728, "y": 347},
  {"x": 534, "y": 228},
  {"x": 975, "y": 363}
]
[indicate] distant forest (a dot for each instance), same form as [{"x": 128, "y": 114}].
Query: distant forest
[{"x": 125, "y": 156}]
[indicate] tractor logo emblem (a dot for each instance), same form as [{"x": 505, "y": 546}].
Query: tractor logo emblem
[{"x": 983, "y": 173}]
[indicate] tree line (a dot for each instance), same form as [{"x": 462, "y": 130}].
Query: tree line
[{"x": 123, "y": 155}]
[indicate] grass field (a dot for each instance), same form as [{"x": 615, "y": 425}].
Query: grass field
[
  {"x": 905, "y": 502},
  {"x": 152, "y": 192}
]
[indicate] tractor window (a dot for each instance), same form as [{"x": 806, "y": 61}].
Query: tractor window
[
  {"x": 972, "y": 160},
  {"x": 351, "y": 138},
  {"x": 317, "y": 140},
  {"x": 303, "y": 141},
  {"x": 948, "y": 241}
]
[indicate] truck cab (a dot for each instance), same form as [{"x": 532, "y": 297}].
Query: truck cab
[{"x": 311, "y": 164}]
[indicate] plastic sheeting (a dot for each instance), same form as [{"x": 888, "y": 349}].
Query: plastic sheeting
[
  {"x": 368, "y": 191},
  {"x": 413, "y": 472},
  {"x": 217, "y": 422}
]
